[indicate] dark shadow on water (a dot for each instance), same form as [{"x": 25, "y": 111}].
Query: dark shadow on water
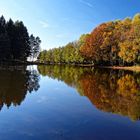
[
  {"x": 113, "y": 91},
  {"x": 15, "y": 83}
]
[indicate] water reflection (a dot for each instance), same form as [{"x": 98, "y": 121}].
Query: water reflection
[
  {"x": 15, "y": 83},
  {"x": 110, "y": 91}
]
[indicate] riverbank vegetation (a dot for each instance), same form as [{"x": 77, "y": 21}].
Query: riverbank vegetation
[
  {"x": 112, "y": 43},
  {"x": 16, "y": 45}
]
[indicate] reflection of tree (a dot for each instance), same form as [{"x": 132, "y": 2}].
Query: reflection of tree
[
  {"x": 116, "y": 96},
  {"x": 127, "y": 85},
  {"x": 110, "y": 91},
  {"x": 33, "y": 81},
  {"x": 15, "y": 84},
  {"x": 68, "y": 74}
]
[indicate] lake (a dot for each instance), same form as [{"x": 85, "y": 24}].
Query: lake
[{"x": 69, "y": 103}]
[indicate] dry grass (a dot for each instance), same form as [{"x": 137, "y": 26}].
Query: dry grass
[{"x": 131, "y": 68}]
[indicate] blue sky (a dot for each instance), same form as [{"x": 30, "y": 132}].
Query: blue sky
[{"x": 58, "y": 22}]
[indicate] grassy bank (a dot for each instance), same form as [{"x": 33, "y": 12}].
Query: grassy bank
[{"x": 131, "y": 68}]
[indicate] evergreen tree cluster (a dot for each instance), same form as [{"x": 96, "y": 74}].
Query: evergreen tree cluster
[{"x": 15, "y": 42}]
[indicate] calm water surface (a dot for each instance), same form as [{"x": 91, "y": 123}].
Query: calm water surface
[{"x": 69, "y": 103}]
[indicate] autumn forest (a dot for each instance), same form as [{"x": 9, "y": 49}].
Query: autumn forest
[{"x": 111, "y": 43}]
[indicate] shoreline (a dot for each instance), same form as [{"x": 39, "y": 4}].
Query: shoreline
[{"x": 130, "y": 68}]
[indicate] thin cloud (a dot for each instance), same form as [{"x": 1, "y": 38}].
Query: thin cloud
[
  {"x": 60, "y": 36},
  {"x": 66, "y": 19},
  {"x": 86, "y": 3},
  {"x": 42, "y": 99},
  {"x": 44, "y": 24},
  {"x": 17, "y": 5}
]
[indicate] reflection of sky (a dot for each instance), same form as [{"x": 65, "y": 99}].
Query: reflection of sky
[
  {"x": 56, "y": 111},
  {"x": 42, "y": 99},
  {"x": 60, "y": 21}
]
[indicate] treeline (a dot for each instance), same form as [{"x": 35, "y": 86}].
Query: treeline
[
  {"x": 112, "y": 43},
  {"x": 68, "y": 54},
  {"x": 15, "y": 42}
]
